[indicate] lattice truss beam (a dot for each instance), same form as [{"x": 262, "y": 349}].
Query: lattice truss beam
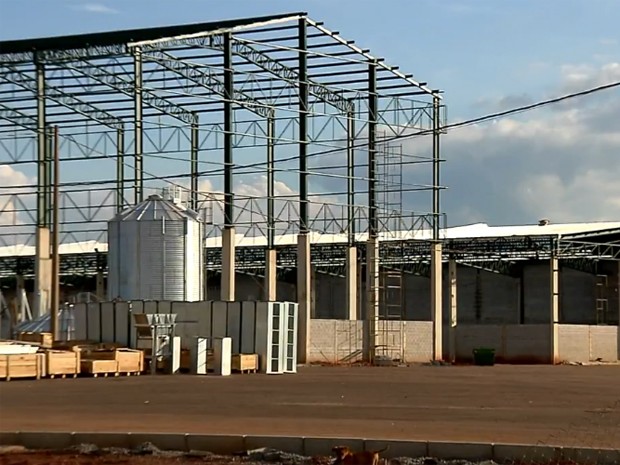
[
  {"x": 412, "y": 257},
  {"x": 145, "y": 109}
]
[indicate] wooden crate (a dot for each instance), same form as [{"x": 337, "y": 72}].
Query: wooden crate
[
  {"x": 99, "y": 367},
  {"x": 245, "y": 363},
  {"x": 20, "y": 366},
  {"x": 45, "y": 340},
  {"x": 62, "y": 363},
  {"x": 129, "y": 361}
]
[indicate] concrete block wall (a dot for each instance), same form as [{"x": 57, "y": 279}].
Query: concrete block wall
[
  {"x": 512, "y": 343},
  {"x": 584, "y": 343},
  {"x": 341, "y": 341}
]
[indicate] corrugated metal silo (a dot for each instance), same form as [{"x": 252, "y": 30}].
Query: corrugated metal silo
[{"x": 155, "y": 252}]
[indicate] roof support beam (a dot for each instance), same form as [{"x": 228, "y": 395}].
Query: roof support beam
[
  {"x": 242, "y": 48},
  {"x": 21, "y": 79},
  {"x": 205, "y": 78},
  {"x": 167, "y": 107}
]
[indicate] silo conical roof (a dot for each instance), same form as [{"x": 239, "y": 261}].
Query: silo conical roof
[{"x": 155, "y": 207}]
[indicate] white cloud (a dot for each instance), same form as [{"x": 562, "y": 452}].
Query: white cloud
[
  {"x": 98, "y": 8},
  {"x": 560, "y": 163}
]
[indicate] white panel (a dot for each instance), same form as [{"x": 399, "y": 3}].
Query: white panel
[
  {"x": 222, "y": 356},
  {"x": 122, "y": 322},
  {"x": 79, "y": 313},
  {"x": 176, "y": 355},
  {"x": 93, "y": 322},
  {"x": 219, "y": 319},
  {"x": 198, "y": 354},
  {"x": 290, "y": 360},
  {"x": 233, "y": 329},
  {"x": 107, "y": 322},
  {"x": 261, "y": 332},
  {"x": 248, "y": 327}
]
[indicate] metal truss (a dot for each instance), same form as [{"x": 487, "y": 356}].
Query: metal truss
[
  {"x": 165, "y": 106},
  {"x": 21, "y": 79}
]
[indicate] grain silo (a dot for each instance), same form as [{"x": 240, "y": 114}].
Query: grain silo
[{"x": 155, "y": 252}]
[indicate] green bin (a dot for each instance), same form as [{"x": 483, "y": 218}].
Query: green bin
[{"x": 484, "y": 356}]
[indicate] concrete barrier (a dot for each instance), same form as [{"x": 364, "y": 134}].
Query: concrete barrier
[
  {"x": 227, "y": 444},
  {"x": 292, "y": 444},
  {"x": 323, "y": 446},
  {"x": 460, "y": 450},
  {"x": 218, "y": 444},
  {"x": 398, "y": 448},
  {"x": 525, "y": 452}
]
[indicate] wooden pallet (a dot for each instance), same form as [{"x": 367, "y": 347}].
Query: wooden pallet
[
  {"x": 245, "y": 363},
  {"x": 20, "y": 366},
  {"x": 62, "y": 363}
]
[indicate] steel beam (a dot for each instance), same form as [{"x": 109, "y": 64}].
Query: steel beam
[
  {"x": 271, "y": 223},
  {"x": 436, "y": 162},
  {"x": 372, "y": 149},
  {"x": 303, "y": 126},
  {"x": 228, "y": 134},
  {"x": 137, "y": 126},
  {"x": 351, "y": 174},
  {"x": 205, "y": 78},
  {"x": 120, "y": 169},
  {"x": 19, "y": 78},
  {"x": 242, "y": 48},
  {"x": 42, "y": 187},
  {"x": 194, "y": 142}
]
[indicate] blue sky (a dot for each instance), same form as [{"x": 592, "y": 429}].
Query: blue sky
[{"x": 487, "y": 54}]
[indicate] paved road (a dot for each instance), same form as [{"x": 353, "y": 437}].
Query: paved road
[{"x": 564, "y": 405}]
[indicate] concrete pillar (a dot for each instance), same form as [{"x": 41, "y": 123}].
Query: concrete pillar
[
  {"x": 453, "y": 308},
  {"x": 372, "y": 300},
  {"x": 618, "y": 291},
  {"x": 554, "y": 309},
  {"x": 100, "y": 286},
  {"x": 436, "y": 302},
  {"x": 303, "y": 296},
  {"x": 270, "y": 287},
  {"x": 351, "y": 283},
  {"x": 43, "y": 273},
  {"x": 228, "y": 265},
  {"x": 313, "y": 281}
]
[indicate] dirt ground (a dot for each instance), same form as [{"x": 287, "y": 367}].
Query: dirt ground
[{"x": 561, "y": 405}]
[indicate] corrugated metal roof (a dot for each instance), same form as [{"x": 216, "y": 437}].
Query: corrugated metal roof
[
  {"x": 155, "y": 207},
  {"x": 457, "y": 232}
]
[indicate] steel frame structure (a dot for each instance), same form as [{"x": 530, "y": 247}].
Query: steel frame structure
[{"x": 280, "y": 97}]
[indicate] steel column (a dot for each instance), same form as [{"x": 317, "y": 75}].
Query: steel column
[
  {"x": 120, "y": 169},
  {"x": 42, "y": 141},
  {"x": 193, "y": 204},
  {"x": 55, "y": 304},
  {"x": 436, "y": 161},
  {"x": 271, "y": 224},
  {"x": 351, "y": 174},
  {"x": 138, "y": 173},
  {"x": 373, "y": 101},
  {"x": 303, "y": 126},
  {"x": 228, "y": 132}
]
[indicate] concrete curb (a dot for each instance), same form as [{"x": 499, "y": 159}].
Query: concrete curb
[{"x": 227, "y": 444}]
